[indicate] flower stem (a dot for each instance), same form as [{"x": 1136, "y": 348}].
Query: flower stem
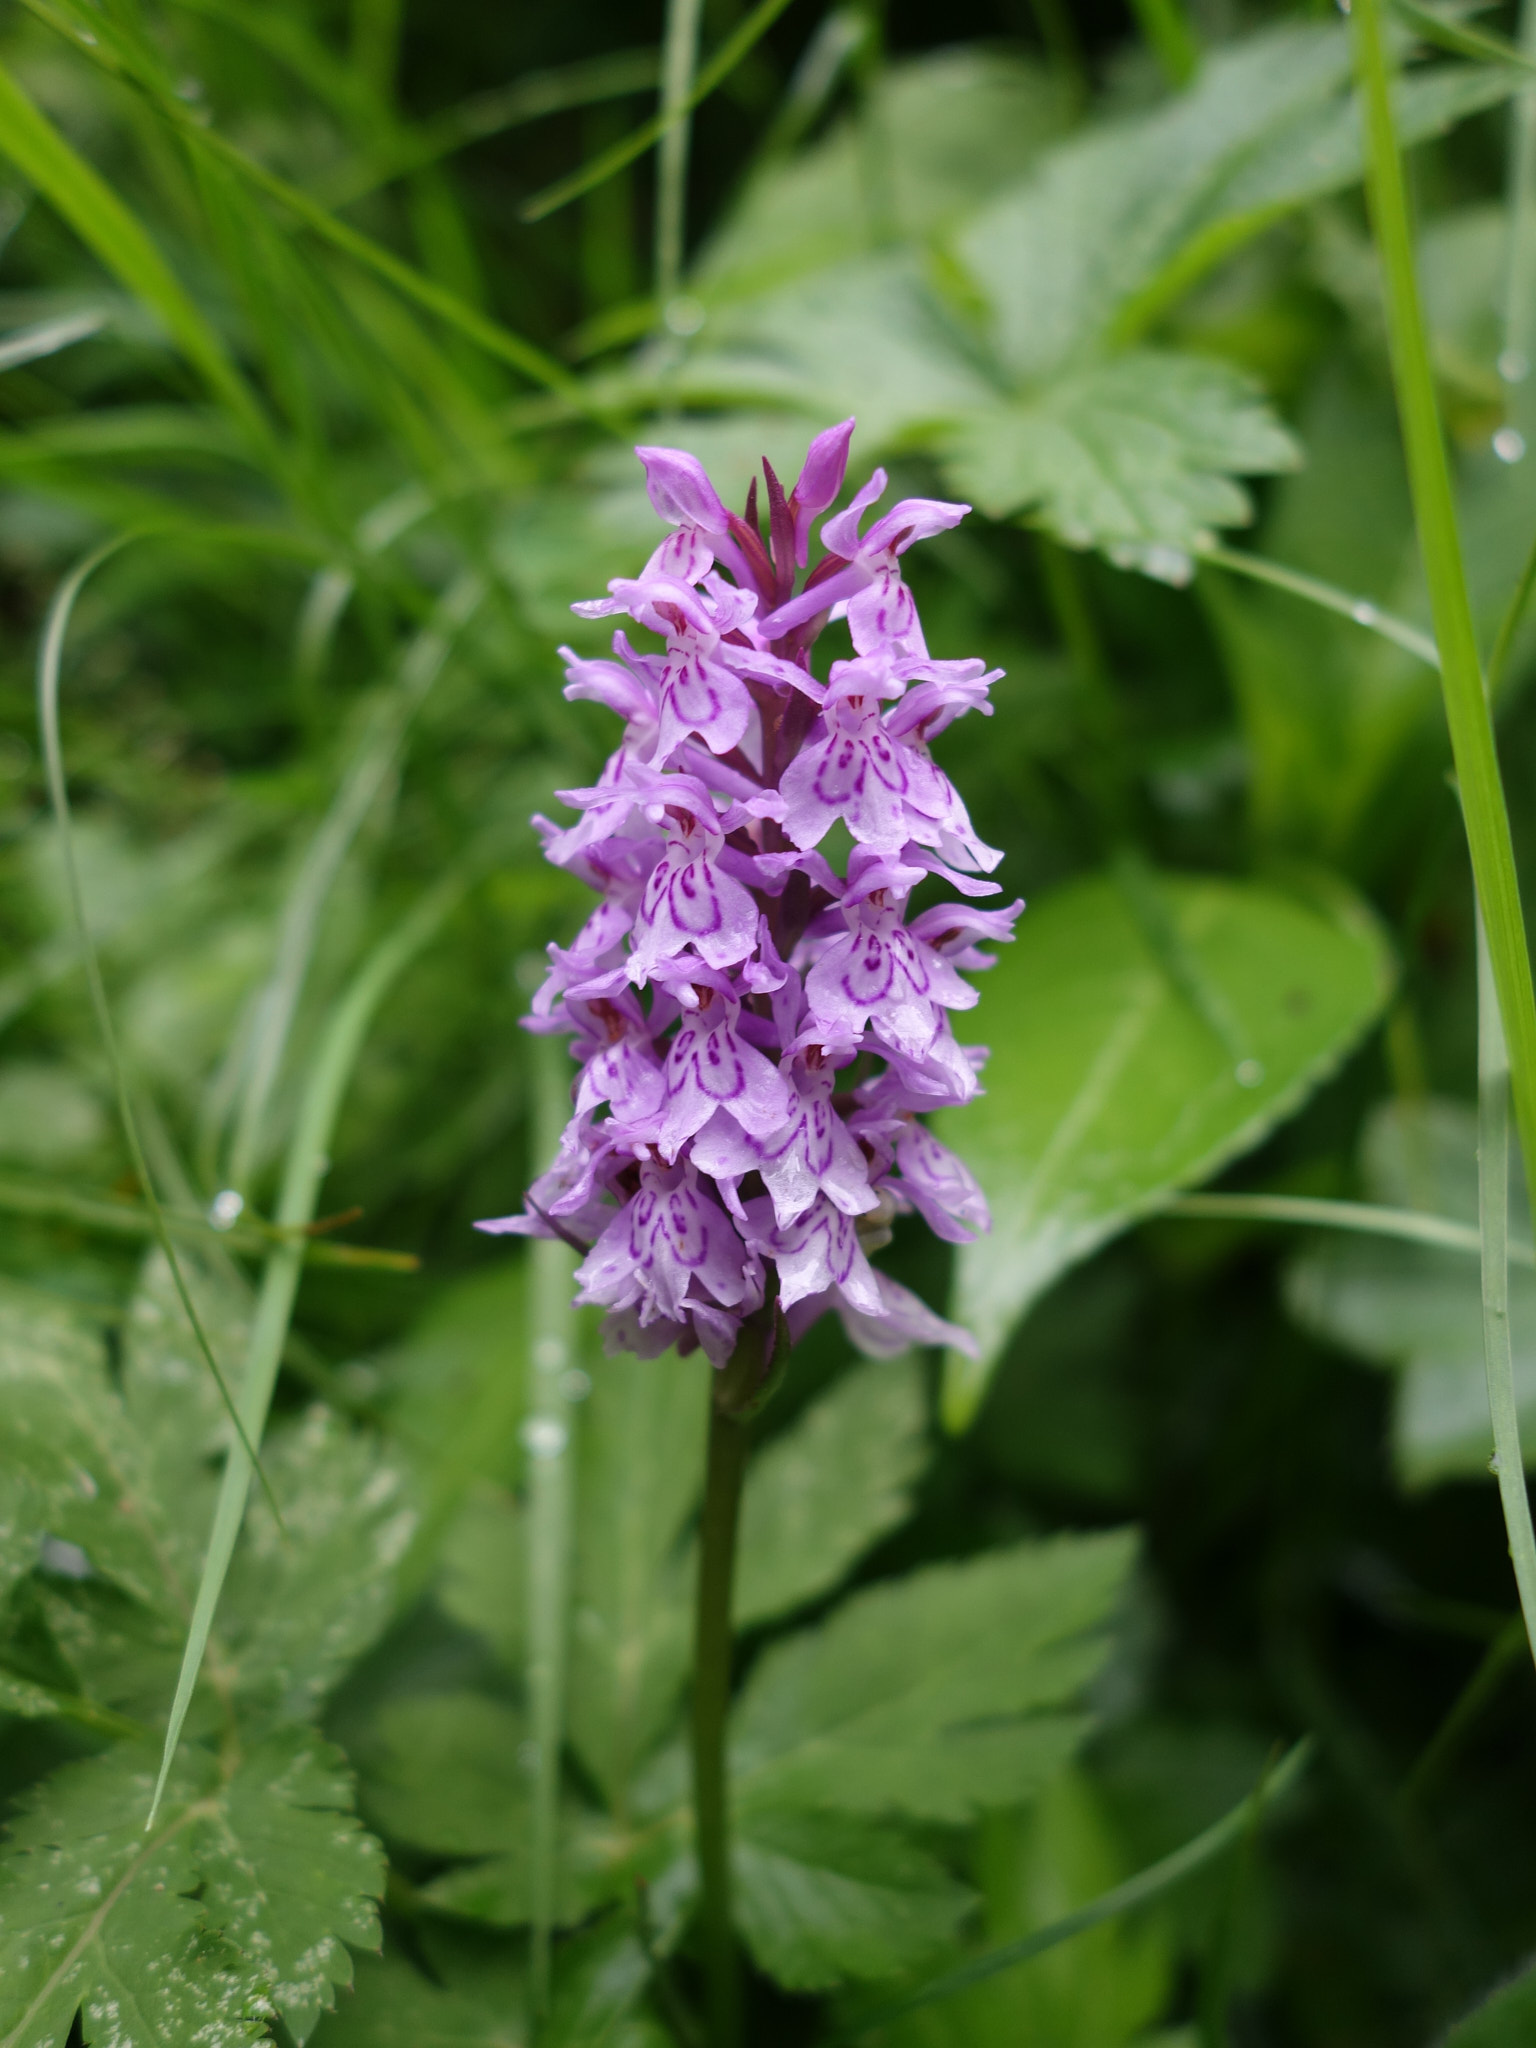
[{"x": 727, "y": 1464}]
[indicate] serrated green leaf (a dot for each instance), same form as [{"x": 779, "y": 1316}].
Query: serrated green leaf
[
  {"x": 1113, "y": 1090},
  {"x": 1134, "y": 455},
  {"x": 640, "y": 1475},
  {"x": 821, "y": 1899},
  {"x": 1416, "y": 1310},
  {"x": 821, "y": 1494},
  {"x": 162, "y": 1938},
  {"x": 392, "y": 2005},
  {"x": 935, "y": 1695}
]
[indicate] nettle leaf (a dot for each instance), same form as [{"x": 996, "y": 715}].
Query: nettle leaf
[
  {"x": 821, "y": 1899},
  {"x": 1417, "y": 1310},
  {"x": 1135, "y": 455},
  {"x": 1127, "y": 1073},
  {"x": 641, "y": 1461},
  {"x": 821, "y": 1494},
  {"x": 238, "y": 1905},
  {"x": 935, "y": 1695}
]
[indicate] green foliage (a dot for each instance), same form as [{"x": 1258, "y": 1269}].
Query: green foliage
[
  {"x": 1416, "y": 1310},
  {"x": 1144, "y": 1071},
  {"x": 236, "y": 1906},
  {"x": 1504, "y": 2018}
]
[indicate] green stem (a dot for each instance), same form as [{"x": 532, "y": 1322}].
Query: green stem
[
  {"x": 1309, "y": 1211},
  {"x": 724, "y": 1471},
  {"x": 1493, "y": 1209},
  {"x": 1166, "y": 28},
  {"x": 1358, "y": 609},
  {"x": 679, "y": 56},
  {"x": 1467, "y": 714}
]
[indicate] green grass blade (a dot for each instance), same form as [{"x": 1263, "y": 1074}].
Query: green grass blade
[
  {"x": 1509, "y": 625},
  {"x": 1413, "y": 1226},
  {"x": 48, "y": 337},
  {"x": 1467, "y": 713},
  {"x": 49, "y": 662},
  {"x": 75, "y": 190},
  {"x": 1493, "y": 1214},
  {"x": 602, "y": 167},
  {"x": 1140, "y": 1890},
  {"x": 1170, "y": 37},
  {"x": 1358, "y": 609},
  {"x": 679, "y": 60},
  {"x": 1520, "y": 258},
  {"x": 1460, "y": 38},
  {"x": 547, "y": 1439},
  {"x": 306, "y": 1166},
  {"x": 366, "y": 775}
]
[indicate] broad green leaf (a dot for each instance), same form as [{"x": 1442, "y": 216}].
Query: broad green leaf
[
  {"x": 168, "y": 1938},
  {"x": 49, "y": 1117},
  {"x": 483, "y": 1581},
  {"x": 1109, "y": 1086},
  {"x": 1136, "y": 455},
  {"x": 1101, "y": 1990},
  {"x": 640, "y": 1474},
  {"x": 821, "y": 1899},
  {"x": 1505, "y": 2019},
  {"x": 393, "y": 2005},
  {"x": 448, "y": 1772},
  {"x": 1416, "y": 1310},
  {"x": 820, "y": 1495},
  {"x": 969, "y": 120},
  {"x": 936, "y": 1695}
]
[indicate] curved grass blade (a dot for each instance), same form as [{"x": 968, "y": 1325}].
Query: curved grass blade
[
  {"x": 1140, "y": 1890},
  {"x": 601, "y": 168},
  {"x": 1468, "y": 717},
  {"x": 1493, "y": 1215},
  {"x": 1366, "y": 1217},
  {"x": 365, "y": 777},
  {"x": 1509, "y": 625},
  {"x": 1460, "y": 37},
  {"x": 48, "y": 337},
  {"x": 49, "y": 661},
  {"x": 1358, "y": 609},
  {"x": 306, "y": 1166},
  {"x": 114, "y": 233}
]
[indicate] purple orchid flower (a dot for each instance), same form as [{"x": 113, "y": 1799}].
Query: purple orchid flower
[{"x": 757, "y": 1034}]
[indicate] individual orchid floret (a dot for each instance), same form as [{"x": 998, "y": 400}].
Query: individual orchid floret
[{"x": 757, "y": 1030}]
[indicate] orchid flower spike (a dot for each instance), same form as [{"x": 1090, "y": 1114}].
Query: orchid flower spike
[{"x": 757, "y": 1034}]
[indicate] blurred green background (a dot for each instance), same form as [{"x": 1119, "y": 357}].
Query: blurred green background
[{"x": 270, "y": 304}]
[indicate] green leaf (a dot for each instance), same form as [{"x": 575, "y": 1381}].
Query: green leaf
[
  {"x": 1136, "y": 455},
  {"x": 821, "y": 1899},
  {"x": 169, "y": 1937},
  {"x": 821, "y": 1494},
  {"x": 1505, "y": 2019},
  {"x": 640, "y": 1474},
  {"x": 1416, "y": 1310},
  {"x": 1109, "y": 1088},
  {"x": 483, "y": 1580},
  {"x": 392, "y": 2005},
  {"x": 935, "y": 1695}
]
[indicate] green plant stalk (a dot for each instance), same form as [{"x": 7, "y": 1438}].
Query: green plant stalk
[
  {"x": 1360, "y": 610},
  {"x": 1493, "y": 1213},
  {"x": 1167, "y": 30},
  {"x": 1309, "y": 1211},
  {"x": 1467, "y": 714},
  {"x": 547, "y": 1439},
  {"x": 724, "y": 1471},
  {"x": 306, "y": 1167}
]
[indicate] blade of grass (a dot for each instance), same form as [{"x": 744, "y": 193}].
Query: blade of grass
[
  {"x": 1467, "y": 714},
  {"x": 1509, "y": 626},
  {"x": 1311, "y": 1212},
  {"x": 1172, "y": 40},
  {"x": 1520, "y": 256},
  {"x": 305, "y": 1169},
  {"x": 49, "y": 663},
  {"x": 1358, "y": 609},
  {"x": 367, "y": 772},
  {"x": 1493, "y": 1212},
  {"x": 75, "y": 190},
  {"x": 48, "y": 337},
  {"x": 546, "y": 1438},
  {"x": 1149, "y": 1884},
  {"x": 679, "y": 60},
  {"x": 720, "y": 66},
  {"x": 1460, "y": 37}
]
